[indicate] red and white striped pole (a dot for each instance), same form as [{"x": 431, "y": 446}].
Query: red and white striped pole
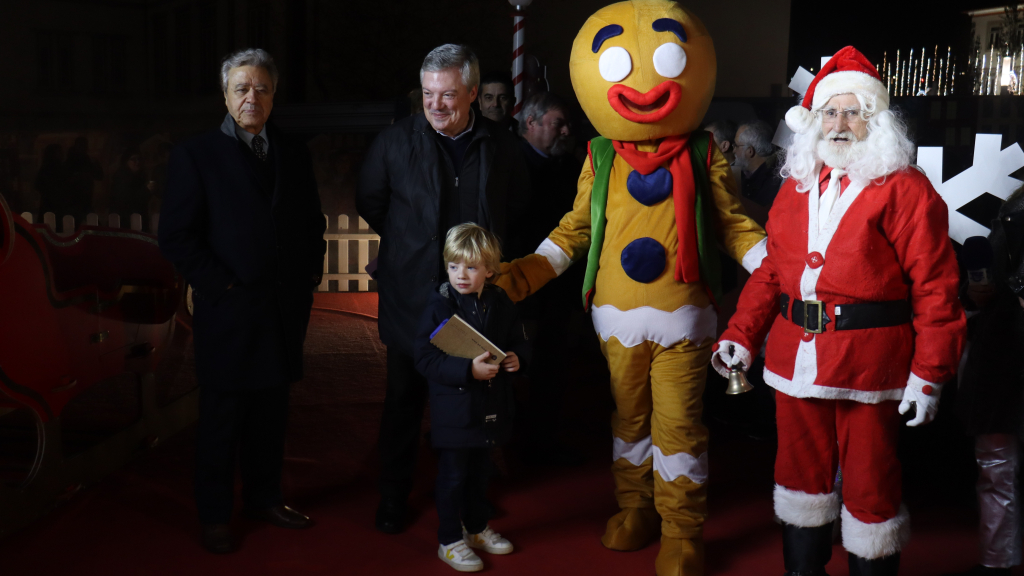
[{"x": 518, "y": 38}]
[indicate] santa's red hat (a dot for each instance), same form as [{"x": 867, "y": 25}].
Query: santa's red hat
[{"x": 848, "y": 72}]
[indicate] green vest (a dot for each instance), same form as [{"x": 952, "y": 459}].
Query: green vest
[{"x": 602, "y": 155}]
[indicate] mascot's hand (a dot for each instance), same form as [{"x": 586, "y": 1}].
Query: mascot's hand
[
  {"x": 726, "y": 354},
  {"x": 925, "y": 396}
]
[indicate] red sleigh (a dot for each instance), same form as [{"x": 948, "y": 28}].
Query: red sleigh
[{"x": 74, "y": 311}]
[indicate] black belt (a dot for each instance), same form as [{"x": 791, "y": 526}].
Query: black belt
[{"x": 810, "y": 315}]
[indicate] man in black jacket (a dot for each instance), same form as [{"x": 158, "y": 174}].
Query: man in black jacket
[
  {"x": 241, "y": 221},
  {"x": 423, "y": 175}
]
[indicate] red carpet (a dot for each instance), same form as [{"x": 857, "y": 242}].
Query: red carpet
[{"x": 142, "y": 519}]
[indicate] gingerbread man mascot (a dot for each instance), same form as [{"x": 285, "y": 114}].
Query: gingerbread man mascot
[{"x": 655, "y": 200}]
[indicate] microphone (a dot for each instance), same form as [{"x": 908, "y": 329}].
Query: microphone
[{"x": 977, "y": 257}]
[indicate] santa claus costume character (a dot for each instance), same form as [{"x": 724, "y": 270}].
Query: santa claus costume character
[{"x": 859, "y": 290}]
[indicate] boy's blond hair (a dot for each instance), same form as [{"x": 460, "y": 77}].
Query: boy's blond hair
[{"x": 474, "y": 245}]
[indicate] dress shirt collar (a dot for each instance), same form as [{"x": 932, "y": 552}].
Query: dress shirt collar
[{"x": 247, "y": 137}]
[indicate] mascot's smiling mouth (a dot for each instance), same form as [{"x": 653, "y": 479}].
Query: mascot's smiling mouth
[{"x": 652, "y": 106}]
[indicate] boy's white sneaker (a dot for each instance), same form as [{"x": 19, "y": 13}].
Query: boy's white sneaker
[
  {"x": 489, "y": 541},
  {"x": 460, "y": 557}
]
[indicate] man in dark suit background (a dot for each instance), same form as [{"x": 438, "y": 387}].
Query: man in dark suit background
[
  {"x": 241, "y": 221},
  {"x": 423, "y": 175}
]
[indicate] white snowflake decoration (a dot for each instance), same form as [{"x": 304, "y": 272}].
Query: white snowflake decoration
[{"x": 990, "y": 173}]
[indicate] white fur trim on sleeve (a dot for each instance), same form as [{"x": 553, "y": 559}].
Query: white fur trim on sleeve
[
  {"x": 558, "y": 259},
  {"x": 752, "y": 259},
  {"x": 870, "y": 541},
  {"x": 805, "y": 510}
]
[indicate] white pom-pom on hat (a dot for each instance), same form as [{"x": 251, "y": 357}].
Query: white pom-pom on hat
[{"x": 799, "y": 119}]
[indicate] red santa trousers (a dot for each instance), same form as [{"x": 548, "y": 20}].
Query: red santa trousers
[{"x": 816, "y": 436}]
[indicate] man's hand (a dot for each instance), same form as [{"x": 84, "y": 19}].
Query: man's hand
[
  {"x": 925, "y": 396},
  {"x": 511, "y": 362},
  {"x": 727, "y": 354},
  {"x": 481, "y": 369}
]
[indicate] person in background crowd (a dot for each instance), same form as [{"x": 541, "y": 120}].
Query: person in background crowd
[
  {"x": 551, "y": 314},
  {"x": 990, "y": 399},
  {"x": 131, "y": 188},
  {"x": 422, "y": 176},
  {"x": 724, "y": 132},
  {"x": 758, "y": 163},
  {"x": 51, "y": 183},
  {"x": 497, "y": 99},
  {"x": 241, "y": 221},
  {"x": 82, "y": 173}
]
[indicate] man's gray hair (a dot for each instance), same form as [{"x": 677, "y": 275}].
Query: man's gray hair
[
  {"x": 453, "y": 56},
  {"x": 758, "y": 135},
  {"x": 537, "y": 106},
  {"x": 723, "y": 130},
  {"x": 249, "y": 57}
]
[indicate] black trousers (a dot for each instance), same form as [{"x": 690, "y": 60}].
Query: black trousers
[
  {"x": 251, "y": 424},
  {"x": 461, "y": 491},
  {"x": 399, "y": 440}
]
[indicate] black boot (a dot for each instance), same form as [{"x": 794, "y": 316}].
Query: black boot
[
  {"x": 806, "y": 551},
  {"x": 887, "y": 566}
]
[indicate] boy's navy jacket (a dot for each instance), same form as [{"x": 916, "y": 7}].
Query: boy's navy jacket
[{"x": 465, "y": 412}]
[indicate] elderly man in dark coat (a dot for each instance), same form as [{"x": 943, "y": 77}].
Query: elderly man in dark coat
[
  {"x": 423, "y": 175},
  {"x": 241, "y": 221}
]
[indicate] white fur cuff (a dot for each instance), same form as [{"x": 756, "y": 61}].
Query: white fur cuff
[
  {"x": 870, "y": 541},
  {"x": 752, "y": 259},
  {"x": 805, "y": 510}
]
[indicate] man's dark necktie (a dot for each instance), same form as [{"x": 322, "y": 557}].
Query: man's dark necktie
[{"x": 257, "y": 147}]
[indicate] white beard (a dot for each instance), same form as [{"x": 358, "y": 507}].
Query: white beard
[{"x": 841, "y": 155}]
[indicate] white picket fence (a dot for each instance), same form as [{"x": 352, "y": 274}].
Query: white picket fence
[{"x": 338, "y": 264}]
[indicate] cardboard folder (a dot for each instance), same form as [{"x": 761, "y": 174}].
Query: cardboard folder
[{"x": 457, "y": 338}]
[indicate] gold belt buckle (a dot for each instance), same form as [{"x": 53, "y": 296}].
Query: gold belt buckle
[{"x": 819, "y": 308}]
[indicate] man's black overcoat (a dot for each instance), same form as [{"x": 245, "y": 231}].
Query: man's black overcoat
[
  {"x": 399, "y": 197},
  {"x": 229, "y": 220}
]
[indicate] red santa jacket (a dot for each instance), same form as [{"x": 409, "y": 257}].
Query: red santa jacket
[{"x": 882, "y": 242}]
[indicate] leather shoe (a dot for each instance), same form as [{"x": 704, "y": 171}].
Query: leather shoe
[
  {"x": 281, "y": 516},
  {"x": 390, "y": 516},
  {"x": 217, "y": 539}
]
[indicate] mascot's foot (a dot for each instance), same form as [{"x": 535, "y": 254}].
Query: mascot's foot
[
  {"x": 632, "y": 529},
  {"x": 680, "y": 557}
]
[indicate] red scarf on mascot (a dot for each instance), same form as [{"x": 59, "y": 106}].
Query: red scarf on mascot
[{"x": 674, "y": 151}]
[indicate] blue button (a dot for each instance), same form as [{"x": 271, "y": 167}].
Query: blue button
[
  {"x": 643, "y": 260},
  {"x": 650, "y": 189}
]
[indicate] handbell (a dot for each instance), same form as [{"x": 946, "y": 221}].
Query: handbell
[{"x": 738, "y": 383}]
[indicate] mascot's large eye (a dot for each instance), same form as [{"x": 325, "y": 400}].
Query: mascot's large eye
[
  {"x": 669, "y": 60},
  {"x": 615, "y": 64}
]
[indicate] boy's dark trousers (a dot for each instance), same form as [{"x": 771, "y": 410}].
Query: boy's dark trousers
[{"x": 462, "y": 475}]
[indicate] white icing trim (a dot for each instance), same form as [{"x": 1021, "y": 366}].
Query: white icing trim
[
  {"x": 672, "y": 466},
  {"x": 646, "y": 324},
  {"x": 752, "y": 259},
  {"x": 811, "y": 390},
  {"x": 870, "y": 541},
  {"x": 805, "y": 510},
  {"x": 557, "y": 257},
  {"x": 635, "y": 452}
]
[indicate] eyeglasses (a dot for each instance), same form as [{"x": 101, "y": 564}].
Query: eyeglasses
[{"x": 831, "y": 115}]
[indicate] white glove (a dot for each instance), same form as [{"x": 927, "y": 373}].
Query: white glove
[
  {"x": 925, "y": 395},
  {"x": 727, "y": 354}
]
